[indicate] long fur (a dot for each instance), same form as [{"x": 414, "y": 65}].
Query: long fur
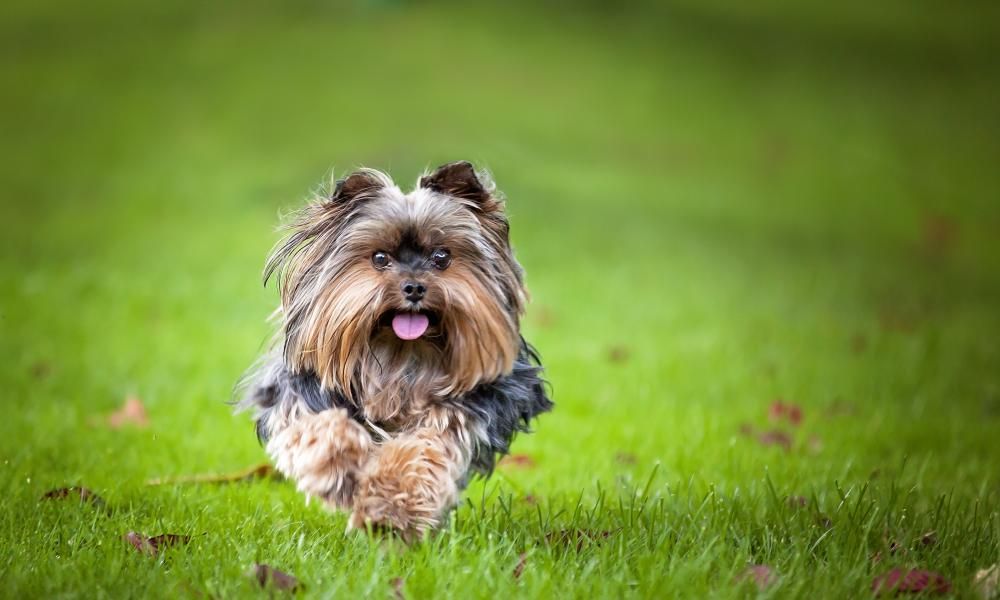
[
  {"x": 426, "y": 413},
  {"x": 505, "y": 405}
]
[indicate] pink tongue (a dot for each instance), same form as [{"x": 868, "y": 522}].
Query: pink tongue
[{"x": 409, "y": 326}]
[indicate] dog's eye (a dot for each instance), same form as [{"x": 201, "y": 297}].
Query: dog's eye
[
  {"x": 441, "y": 258},
  {"x": 380, "y": 260}
]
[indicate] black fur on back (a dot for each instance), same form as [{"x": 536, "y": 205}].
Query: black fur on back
[
  {"x": 506, "y": 406},
  {"x": 277, "y": 389}
]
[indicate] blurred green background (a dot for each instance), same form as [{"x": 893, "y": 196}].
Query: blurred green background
[{"x": 718, "y": 205}]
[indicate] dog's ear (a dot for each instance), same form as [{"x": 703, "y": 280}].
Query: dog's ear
[
  {"x": 456, "y": 179},
  {"x": 359, "y": 184}
]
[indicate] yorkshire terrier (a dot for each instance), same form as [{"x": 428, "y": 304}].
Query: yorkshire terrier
[{"x": 400, "y": 370}]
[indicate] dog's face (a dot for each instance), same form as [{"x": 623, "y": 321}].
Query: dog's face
[{"x": 380, "y": 284}]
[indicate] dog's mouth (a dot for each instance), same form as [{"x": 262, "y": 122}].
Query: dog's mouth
[{"x": 409, "y": 324}]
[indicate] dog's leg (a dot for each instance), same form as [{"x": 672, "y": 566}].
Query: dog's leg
[
  {"x": 323, "y": 453},
  {"x": 416, "y": 478}
]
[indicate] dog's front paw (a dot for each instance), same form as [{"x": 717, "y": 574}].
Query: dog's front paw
[
  {"x": 409, "y": 490},
  {"x": 324, "y": 454}
]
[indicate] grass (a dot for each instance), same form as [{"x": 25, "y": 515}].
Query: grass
[{"x": 717, "y": 206}]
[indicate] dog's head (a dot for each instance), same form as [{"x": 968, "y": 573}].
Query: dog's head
[{"x": 371, "y": 275}]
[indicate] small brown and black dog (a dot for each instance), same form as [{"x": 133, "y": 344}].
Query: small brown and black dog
[{"x": 400, "y": 370}]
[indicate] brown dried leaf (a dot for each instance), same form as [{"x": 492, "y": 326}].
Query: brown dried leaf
[
  {"x": 397, "y": 588},
  {"x": 893, "y": 319},
  {"x": 266, "y": 574},
  {"x": 153, "y": 545},
  {"x": 762, "y": 576},
  {"x": 797, "y": 501},
  {"x": 939, "y": 234},
  {"x": 544, "y": 316},
  {"x": 40, "y": 369},
  {"x": 520, "y": 461},
  {"x": 132, "y": 412},
  {"x": 840, "y": 408},
  {"x": 81, "y": 493},
  {"x": 522, "y": 561},
  {"x": 780, "y": 410},
  {"x": 625, "y": 458},
  {"x": 913, "y": 581},
  {"x": 775, "y": 437},
  {"x": 618, "y": 354},
  {"x": 261, "y": 471}
]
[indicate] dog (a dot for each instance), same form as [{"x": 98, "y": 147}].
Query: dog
[{"x": 399, "y": 371}]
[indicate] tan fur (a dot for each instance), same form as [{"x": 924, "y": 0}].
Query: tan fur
[
  {"x": 407, "y": 483},
  {"x": 413, "y": 482},
  {"x": 334, "y": 304},
  {"x": 335, "y": 298},
  {"x": 324, "y": 454}
]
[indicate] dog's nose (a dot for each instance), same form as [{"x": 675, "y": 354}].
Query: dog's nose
[{"x": 414, "y": 291}]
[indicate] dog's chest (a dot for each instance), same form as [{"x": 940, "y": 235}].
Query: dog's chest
[
  {"x": 396, "y": 396},
  {"x": 401, "y": 382}
]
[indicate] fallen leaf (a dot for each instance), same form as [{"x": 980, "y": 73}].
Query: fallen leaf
[
  {"x": 986, "y": 582},
  {"x": 522, "y": 561},
  {"x": 939, "y": 234},
  {"x": 762, "y": 576},
  {"x": 776, "y": 411},
  {"x": 397, "y": 587},
  {"x": 797, "y": 501},
  {"x": 131, "y": 413},
  {"x": 779, "y": 410},
  {"x": 521, "y": 461},
  {"x": 40, "y": 369},
  {"x": 153, "y": 545},
  {"x": 544, "y": 316},
  {"x": 266, "y": 574},
  {"x": 578, "y": 538},
  {"x": 840, "y": 408},
  {"x": 261, "y": 471},
  {"x": 913, "y": 581},
  {"x": 625, "y": 458},
  {"x": 775, "y": 437},
  {"x": 618, "y": 354},
  {"x": 859, "y": 343},
  {"x": 81, "y": 493},
  {"x": 895, "y": 320}
]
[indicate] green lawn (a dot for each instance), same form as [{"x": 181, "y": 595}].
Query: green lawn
[{"x": 717, "y": 207}]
